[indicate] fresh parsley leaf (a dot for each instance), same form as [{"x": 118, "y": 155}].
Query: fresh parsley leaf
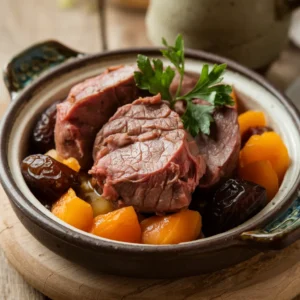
[
  {"x": 155, "y": 80},
  {"x": 175, "y": 53},
  {"x": 197, "y": 118},
  {"x": 209, "y": 88},
  {"x": 176, "y": 56}
]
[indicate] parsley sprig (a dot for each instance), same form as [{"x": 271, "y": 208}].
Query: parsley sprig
[
  {"x": 176, "y": 56},
  {"x": 154, "y": 78}
]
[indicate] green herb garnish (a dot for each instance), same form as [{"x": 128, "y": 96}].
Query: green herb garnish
[
  {"x": 155, "y": 80},
  {"x": 197, "y": 117}
]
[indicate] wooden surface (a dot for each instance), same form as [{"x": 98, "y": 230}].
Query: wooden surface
[
  {"x": 79, "y": 27},
  {"x": 271, "y": 276},
  {"x": 21, "y": 25}
]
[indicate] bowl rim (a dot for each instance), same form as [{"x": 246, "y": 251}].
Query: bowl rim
[{"x": 56, "y": 229}]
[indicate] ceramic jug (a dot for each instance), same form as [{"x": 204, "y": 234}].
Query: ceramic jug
[{"x": 252, "y": 32}]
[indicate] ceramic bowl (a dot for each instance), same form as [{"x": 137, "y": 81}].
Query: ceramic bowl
[{"x": 33, "y": 89}]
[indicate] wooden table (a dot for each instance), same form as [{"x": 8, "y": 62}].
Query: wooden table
[{"x": 23, "y": 23}]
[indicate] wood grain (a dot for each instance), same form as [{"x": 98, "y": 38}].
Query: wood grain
[
  {"x": 23, "y": 23},
  {"x": 269, "y": 276},
  {"x": 12, "y": 285}
]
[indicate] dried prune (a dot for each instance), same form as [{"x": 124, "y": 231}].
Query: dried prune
[
  {"x": 43, "y": 132},
  {"x": 233, "y": 203},
  {"x": 47, "y": 178},
  {"x": 201, "y": 198},
  {"x": 252, "y": 131}
]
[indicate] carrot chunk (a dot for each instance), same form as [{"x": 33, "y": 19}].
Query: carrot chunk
[
  {"x": 74, "y": 211},
  {"x": 268, "y": 146},
  {"x": 251, "y": 119},
  {"x": 120, "y": 225},
  {"x": 262, "y": 173},
  {"x": 177, "y": 228},
  {"x": 70, "y": 162}
]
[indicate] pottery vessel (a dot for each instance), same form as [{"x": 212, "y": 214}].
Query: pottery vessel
[
  {"x": 251, "y": 32},
  {"x": 45, "y": 72}
]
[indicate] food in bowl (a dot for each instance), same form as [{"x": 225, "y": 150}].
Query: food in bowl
[{"x": 147, "y": 155}]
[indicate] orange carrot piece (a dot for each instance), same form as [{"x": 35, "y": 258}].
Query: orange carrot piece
[
  {"x": 72, "y": 163},
  {"x": 250, "y": 119},
  {"x": 73, "y": 211},
  {"x": 262, "y": 173},
  {"x": 268, "y": 146},
  {"x": 177, "y": 228},
  {"x": 120, "y": 225}
]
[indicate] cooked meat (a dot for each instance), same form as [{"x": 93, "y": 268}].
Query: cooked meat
[
  {"x": 221, "y": 148},
  {"x": 189, "y": 81},
  {"x": 88, "y": 107},
  {"x": 144, "y": 157}
]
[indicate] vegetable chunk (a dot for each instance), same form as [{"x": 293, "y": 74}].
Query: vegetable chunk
[
  {"x": 262, "y": 173},
  {"x": 251, "y": 119},
  {"x": 268, "y": 146},
  {"x": 74, "y": 211},
  {"x": 119, "y": 225},
  {"x": 180, "y": 227},
  {"x": 71, "y": 162}
]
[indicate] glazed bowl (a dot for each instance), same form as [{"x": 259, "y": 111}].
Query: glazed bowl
[{"x": 45, "y": 72}]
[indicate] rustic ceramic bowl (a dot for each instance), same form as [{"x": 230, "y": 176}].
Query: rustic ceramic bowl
[{"x": 276, "y": 226}]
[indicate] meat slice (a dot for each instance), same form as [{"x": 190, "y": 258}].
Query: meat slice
[
  {"x": 188, "y": 83},
  {"x": 221, "y": 148},
  {"x": 88, "y": 107},
  {"x": 144, "y": 157}
]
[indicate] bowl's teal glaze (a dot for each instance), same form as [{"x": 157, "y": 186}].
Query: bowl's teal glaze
[
  {"x": 278, "y": 229},
  {"x": 28, "y": 65}
]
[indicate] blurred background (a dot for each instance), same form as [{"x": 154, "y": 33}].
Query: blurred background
[
  {"x": 258, "y": 35},
  {"x": 262, "y": 34}
]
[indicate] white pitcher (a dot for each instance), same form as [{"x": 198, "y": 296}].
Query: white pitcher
[{"x": 252, "y": 32}]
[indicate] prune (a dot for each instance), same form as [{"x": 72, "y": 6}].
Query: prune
[
  {"x": 43, "y": 132},
  {"x": 233, "y": 203},
  {"x": 47, "y": 178},
  {"x": 252, "y": 131},
  {"x": 203, "y": 196},
  {"x": 200, "y": 199}
]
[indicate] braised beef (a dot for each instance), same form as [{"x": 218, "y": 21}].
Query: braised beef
[
  {"x": 144, "y": 157},
  {"x": 189, "y": 81},
  {"x": 221, "y": 148},
  {"x": 88, "y": 107}
]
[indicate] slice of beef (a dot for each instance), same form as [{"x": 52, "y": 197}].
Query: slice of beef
[
  {"x": 221, "y": 148},
  {"x": 144, "y": 157},
  {"x": 88, "y": 107},
  {"x": 189, "y": 81}
]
